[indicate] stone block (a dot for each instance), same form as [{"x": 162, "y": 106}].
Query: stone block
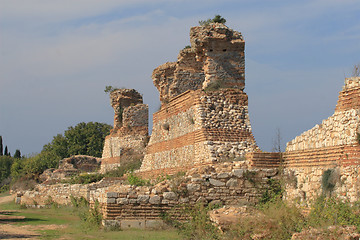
[
  {"x": 111, "y": 200},
  {"x": 112, "y": 194},
  {"x": 122, "y": 201},
  {"x": 238, "y": 173},
  {"x": 143, "y": 198},
  {"x": 216, "y": 183},
  {"x": 191, "y": 187},
  {"x": 155, "y": 199},
  {"x": 154, "y": 224},
  {"x": 128, "y": 224},
  {"x": 170, "y": 196},
  {"x": 133, "y": 201},
  {"x": 223, "y": 175},
  {"x": 232, "y": 183}
]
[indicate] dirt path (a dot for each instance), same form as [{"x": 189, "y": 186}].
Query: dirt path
[
  {"x": 8, "y": 230},
  {"x": 7, "y": 198}
]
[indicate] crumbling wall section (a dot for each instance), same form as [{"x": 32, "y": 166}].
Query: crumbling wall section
[
  {"x": 200, "y": 127},
  {"x": 204, "y": 110},
  {"x": 129, "y": 136},
  {"x": 330, "y": 147},
  {"x": 223, "y": 183}
]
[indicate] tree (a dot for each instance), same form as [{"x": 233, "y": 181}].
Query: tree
[
  {"x": 6, "y": 152},
  {"x": 216, "y": 19},
  {"x": 1, "y": 146},
  {"x": 58, "y": 145},
  {"x": 83, "y": 139},
  {"x": 5, "y": 166},
  {"x": 17, "y": 154}
]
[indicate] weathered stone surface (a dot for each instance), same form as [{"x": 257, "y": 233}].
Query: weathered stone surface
[
  {"x": 216, "y": 183},
  {"x": 155, "y": 199},
  {"x": 112, "y": 194},
  {"x": 143, "y": 198},
  {"x": 238, "y": 172},
  {"x": 232, "y": 182},
  {"x": 193, "y": 187},
  {"x": 122, "y": 201},
  {"x": 170, "y": 196}
]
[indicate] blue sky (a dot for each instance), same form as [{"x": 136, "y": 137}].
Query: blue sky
[{"x": 56, "y": 57}]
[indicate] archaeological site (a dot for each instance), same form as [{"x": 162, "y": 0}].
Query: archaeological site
[{"x": 202, "y": 137}]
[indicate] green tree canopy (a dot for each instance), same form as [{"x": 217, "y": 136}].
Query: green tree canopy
[{"x": 83, "y": 139}]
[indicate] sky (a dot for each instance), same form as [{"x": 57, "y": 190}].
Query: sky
[{"x": 56, "y": 57}]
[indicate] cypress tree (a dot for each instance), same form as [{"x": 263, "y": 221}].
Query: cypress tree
[
  {"x": 17, "y": 154},
  {"x": 1, "y": 146},
  {"x": 6, "y": 153}
]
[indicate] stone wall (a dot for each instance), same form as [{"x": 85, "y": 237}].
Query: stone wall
[
  {"x": 305, "y": 184},
  {"x": 129, "y": 136},
  {"x": 199, "y": 127},
  {"x": 45, "y": 194},
  {"x": 328, "y": 147},
  {"x": 222, "y": 183}
]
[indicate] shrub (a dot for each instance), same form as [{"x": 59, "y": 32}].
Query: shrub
[
  {"x": 216, "y": 19},
  {"x": 332, "y": 211},
  {"x": 91, "y": 216},
  {"x": 137, "y": 181},
  {"x": 110, "y": 89},
  {"x": 198, "y": 225},
  {"x": 276, "y": 221},
  {"x": 86, "y": 178},
  {"x": 273, "y": 193},
  {"x": 328, "y": 180}
]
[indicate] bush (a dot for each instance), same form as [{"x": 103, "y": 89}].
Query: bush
[
  {"x": 216, "y": 19},
  {"x": 86, "y": 178},
  {"x": 137, "y": 181},
  {"x": 328, "y": 180},
  {"x": 91, "y": 216},
  {"x": 198, "y": 225},
  {"x": 273, "y": 193},
  {"x": 332, "y": 211},
  {"x": 275, "y": 221}
]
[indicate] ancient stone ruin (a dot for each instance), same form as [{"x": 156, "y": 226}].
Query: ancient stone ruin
[
  {"x": 329, "y": 149},
  {"x": 204, "y": 110},
  {"x": 71, "y": 166},
  {"x": 203, "y": 131},
  {"x": 129, "y": 136}
]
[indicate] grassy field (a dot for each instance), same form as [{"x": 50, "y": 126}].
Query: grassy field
[{"x": 64, "y": 223}]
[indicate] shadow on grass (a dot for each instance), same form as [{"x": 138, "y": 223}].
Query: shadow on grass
[
  {"x": 10, "y": 217},
  {"x": 17, "y": 236}
]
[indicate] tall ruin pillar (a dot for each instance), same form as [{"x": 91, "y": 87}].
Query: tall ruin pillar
[
  {"x": 204, "y": 110},
  {"x": 128, "y": 138}
]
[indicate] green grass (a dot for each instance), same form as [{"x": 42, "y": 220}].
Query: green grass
[{"x": 73, "y": 228}]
